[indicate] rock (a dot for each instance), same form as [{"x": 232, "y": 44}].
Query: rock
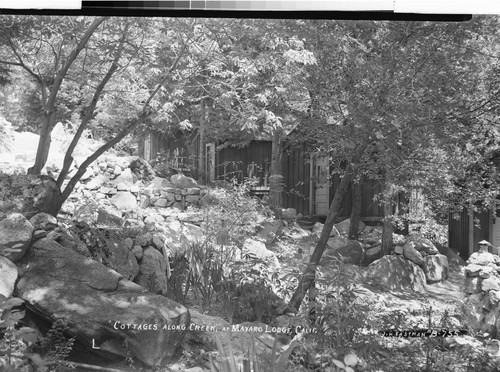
[
  {"x": 122, "y": 260},
  {"x": 422, "y": 244},
  {"x": 490, "y": 284},
  {"x": 436, "y": 268},
  {"x": 396, "y": 273},
  {"x": 158, "y": 242},
  {"x": 153, "y": 272},
  {"x": 39, "y": 234},
  {"x": 16, "y": 233},
  {"x": 318, "y": 229},
  {"x": 343, "y": 227},
  {"x": 125, "y": 180},
  {"x": 161, "y": 203},
  {"x": 180, "y": 235},
  {"x": 144, "y": 201},
  {"x": 8, "y": 276},
  {"x": 96, "y": 182},
  {"x": 124, "y": 200},
  {"x": 160, "y": 183},
  {"x": 193, "y": 191},
  {"x": 474, "y": 310},
  {"x": 28, "y": 195},
  {"x": 144, "y": 239},
  {"x": 483, "y": 258},
  {"x": 473, "y": 269},
  {"x": 372, "y": 254},
  {"x": 398, "y": 250},
  {"x": 101, "y": 308},
  {"x": 486, "y": 272},
  {"x": 117, "y": 171},
  {"x": 129, "y": 243},
  {"x": 183, "y": 182},
  {"x": 137, "y": 252},
  {"x": 69, "y": 239},
  {"x": 289, "y": 214},
  {"x": 178, "y": 206},
  {"x": 194, "y": 369},
  {"x": 109, "y": 216},
  {"x": 494, "y": 298},
  {"x": 43, "y": 221},
  {"x": 269, "y": 231},
  {"x": 192, "y": 199},
  {"x": 257, "y": 250},
  {"x": 472, "y": 285},
  {"x": 335, "y": 243},
  {"x": 351, "y": 253},
  {"x": 411, "y": 254},
  {"x": 294, "y": 231}
]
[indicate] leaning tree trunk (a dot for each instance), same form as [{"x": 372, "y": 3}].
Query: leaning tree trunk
[
  {"x": 276, "y": 178},
  {"x": 355, "y": 209},
  {"x": 308, "y": 277}
]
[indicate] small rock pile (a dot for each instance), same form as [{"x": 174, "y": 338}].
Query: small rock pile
[{"x": 482, "y": 291}]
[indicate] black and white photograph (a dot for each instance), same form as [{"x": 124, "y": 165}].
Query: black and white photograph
[{"x": 225, "y": 192}]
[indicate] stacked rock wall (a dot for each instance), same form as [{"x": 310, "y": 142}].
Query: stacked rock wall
[
  {"x": 129, "y": 183},
  {"x": 482, "y": 292}
]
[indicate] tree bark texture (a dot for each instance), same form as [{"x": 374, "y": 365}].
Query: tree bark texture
[{"x": 355, "y": 209}]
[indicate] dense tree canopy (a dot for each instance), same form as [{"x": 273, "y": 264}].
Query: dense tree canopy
[{"x": 413, "y": 105}]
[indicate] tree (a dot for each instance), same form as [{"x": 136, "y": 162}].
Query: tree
[
  {"x": 121, "y": 67},
  {"x": 384, "y": 97}
]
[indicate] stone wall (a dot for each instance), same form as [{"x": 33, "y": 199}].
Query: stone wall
[
  {"x": 129, "y": 183},
  {"x": 482, "y": 292}
]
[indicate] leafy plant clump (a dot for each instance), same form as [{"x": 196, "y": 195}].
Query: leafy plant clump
[{"x": 22, "y": 349}]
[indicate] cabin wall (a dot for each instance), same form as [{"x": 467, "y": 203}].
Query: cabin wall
[
  {"x": 297, "y": 180},
  {"x": 465, "y": 232},
  {"x": 241, "y": 162}
]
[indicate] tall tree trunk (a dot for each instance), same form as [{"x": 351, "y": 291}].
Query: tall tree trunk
[
  {"x": 276, "y": 178},
  {"x": 309, "y": 274},
  {"x": 50, "y": 104},
  {"x": 388, "y": 226},
  {"x": 201, "y": 133},
  {"x": 355, "y": 209}
]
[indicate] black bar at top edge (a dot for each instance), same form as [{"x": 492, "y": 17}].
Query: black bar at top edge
[{"x": 195, "y": 8}]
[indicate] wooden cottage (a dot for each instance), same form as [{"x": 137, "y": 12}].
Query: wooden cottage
[
  {"x": 308, "y": 186},
  {"x": 466, "y": 231}
]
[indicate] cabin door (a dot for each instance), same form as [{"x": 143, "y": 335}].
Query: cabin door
[{"x": 322, "y": 189}]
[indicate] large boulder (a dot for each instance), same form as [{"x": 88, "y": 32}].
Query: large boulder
[
  {"x": 8, "y": 276},
  {"x": 101, "y": 308},
  {"x": 318, "y": 229},
  {"x": 396, "y": 273},
  {"x": 180, "y": 235},
  {"x": 125, "y": 201},
  {"x": 350, "y": 252},
  {"x": 28, "y": 195},
  {"x": 16, "y": 233},
  {"x": 121, "y": 258},
  {"x": 483, "y": 258},
  {"x": 44, "y": 221},
  {"x": 422, "y": 244},
  {"x": 257, "y": 250},
  {"x": 153, "y": 271},
  {"x": 343, "y": 227},
  {"x": 436, "y": 268},
  {"x": 182, "y": 182},
  {"x": 411, "y": 254}
]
